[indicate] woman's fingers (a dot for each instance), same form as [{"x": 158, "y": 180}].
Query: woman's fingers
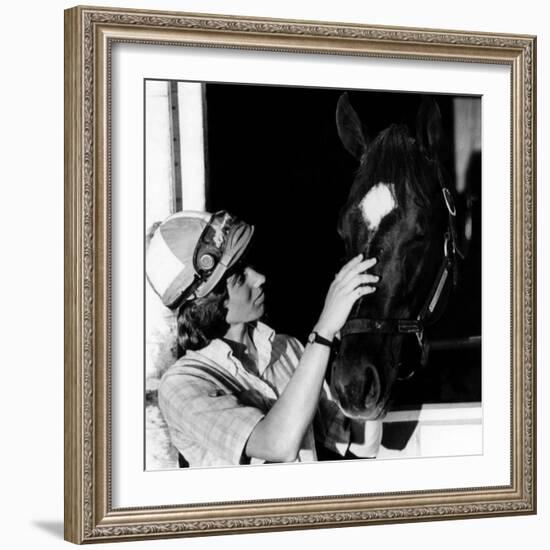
[
  {"x": 355, "y": 261},
  {"x": 349, "y": 285},
  {"x": 359, "y": 280},
  {"x": 363, "y": 290},
  {"x": 360, "y": 271},
  {"x": 355, "y": 269}
]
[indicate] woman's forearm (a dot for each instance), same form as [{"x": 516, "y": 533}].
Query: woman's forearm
[{"x": 278, "y": 436}]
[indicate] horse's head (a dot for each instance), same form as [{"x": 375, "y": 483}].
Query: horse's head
[{"x": 395, "y": 212}]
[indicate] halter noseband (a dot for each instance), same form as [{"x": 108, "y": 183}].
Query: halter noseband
[{"x": 416, "y": 326}]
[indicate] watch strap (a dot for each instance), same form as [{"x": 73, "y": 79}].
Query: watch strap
[{"x": 316, "y": 338}]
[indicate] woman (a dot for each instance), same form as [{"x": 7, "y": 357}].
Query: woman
[{"x": 242, "y": 393}]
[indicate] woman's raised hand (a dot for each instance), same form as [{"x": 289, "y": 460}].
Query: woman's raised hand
[{"x": 350, "y": 283}]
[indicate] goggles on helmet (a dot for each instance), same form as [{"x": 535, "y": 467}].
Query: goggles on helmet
[{"x": 221, "y": 244}]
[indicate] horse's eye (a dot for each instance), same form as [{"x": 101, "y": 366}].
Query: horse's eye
[
  {"x": 418, "y": 239},
  {"x": 419, "y": 231}
]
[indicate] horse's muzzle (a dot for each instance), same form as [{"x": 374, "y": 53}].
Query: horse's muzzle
[{"x": 360, "y": 397}]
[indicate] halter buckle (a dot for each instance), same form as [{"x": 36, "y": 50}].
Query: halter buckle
[{"x": 408, "y": 326}]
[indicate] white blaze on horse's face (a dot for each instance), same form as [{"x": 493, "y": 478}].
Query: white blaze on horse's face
[{"x": 377, "y": 204}]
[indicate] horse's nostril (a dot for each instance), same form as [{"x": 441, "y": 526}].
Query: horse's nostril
[
  {"x": 372, "y": 386},
  {"x": 358, "y": 390}
]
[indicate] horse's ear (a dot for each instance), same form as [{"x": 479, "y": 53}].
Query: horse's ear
[
  {"x": 350, "y": 128},
  {"x": 429, "y": 128}
]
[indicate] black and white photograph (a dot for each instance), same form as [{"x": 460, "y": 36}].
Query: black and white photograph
[
  {"x": 313, "y": 274},
  {"x": 300, "y": 274}
]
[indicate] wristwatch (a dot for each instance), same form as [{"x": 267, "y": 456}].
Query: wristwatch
[{"x": 316, "y": 338}]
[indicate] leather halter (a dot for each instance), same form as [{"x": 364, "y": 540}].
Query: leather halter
[{"x": 416, "y": 326}]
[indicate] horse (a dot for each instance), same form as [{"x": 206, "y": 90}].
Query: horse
[{"x": 400, "y": 211}]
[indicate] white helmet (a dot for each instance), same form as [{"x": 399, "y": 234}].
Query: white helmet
[{"x": 189, "y": 252}]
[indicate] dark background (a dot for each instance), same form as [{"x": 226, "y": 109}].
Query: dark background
[{"x": 274, "y": 159}]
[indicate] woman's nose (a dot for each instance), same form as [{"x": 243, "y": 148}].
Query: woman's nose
[{"x": 255, "y": 278}]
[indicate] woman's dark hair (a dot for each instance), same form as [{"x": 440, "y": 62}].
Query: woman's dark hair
[{"x": 202, "y": 320}]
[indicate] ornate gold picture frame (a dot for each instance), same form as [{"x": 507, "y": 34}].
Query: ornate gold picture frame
[{"x": 91, "y": 34}]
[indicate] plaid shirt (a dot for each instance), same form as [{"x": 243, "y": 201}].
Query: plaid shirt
[{"x": 211, "y": 403}]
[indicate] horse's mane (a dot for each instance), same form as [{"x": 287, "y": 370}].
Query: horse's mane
[{"x": 394, "y": 157}]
